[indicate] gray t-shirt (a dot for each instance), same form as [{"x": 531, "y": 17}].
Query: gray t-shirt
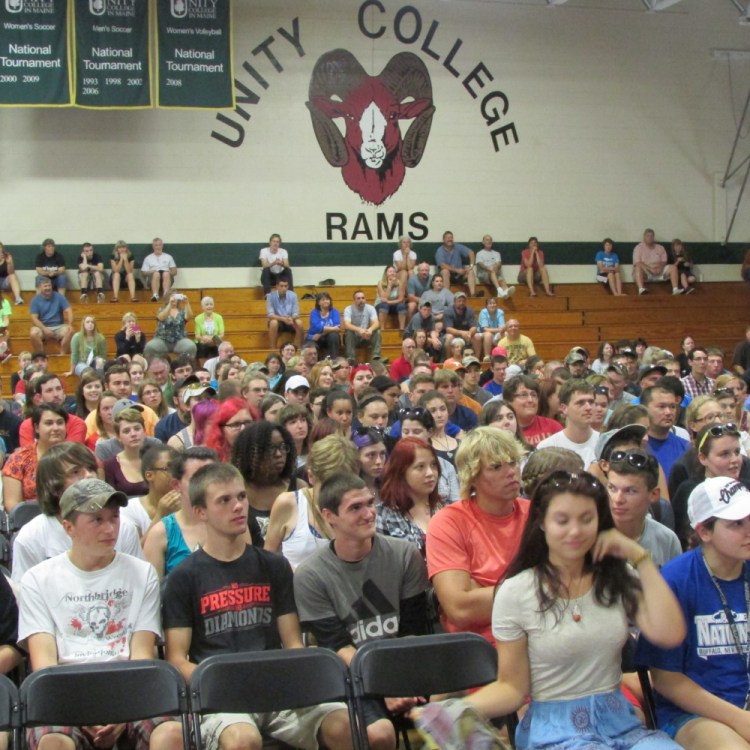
[
  {"x": 415, "y": 286},
  {"x": 105, "y": 449},
  {"x": 361, "y": 318},
  {"x": 660, "y": 541},
  {"x": 440, "y": 301},
  {"x": 363, "y": 595}
]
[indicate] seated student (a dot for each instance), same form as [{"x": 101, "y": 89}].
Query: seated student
[
  {"x": 158, "y": 270},
  {"x": 122, "y": 264},
  {"x": 50, "y": 266},
  {"x": 282, "y": 311},
  {"x": 391, "y": 297},
  {"x": 561, "y": 620},
  {"x": 329, "y": 585},
  {"x": 633, "y": 487},
  {"x": 90, "y": 272},
  {"x": 608, "y": 268},
  {"x": 200, "y": 624},
  {"x": 471, "y": 542},
  {"x": 44, "y": 537},
  {"x": 681, "y": 260},
  {"x": 702, "y": 685},
  {"x": 72, "y": 604},
  {"x": 275, "y": 263}
]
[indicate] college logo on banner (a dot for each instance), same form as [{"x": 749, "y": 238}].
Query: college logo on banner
[
  {"x": 372, "y": 154},
  {"x": 97, "y": 7},
  {"x": 178, "y": 8},
  {"x": 205, "y": 9},
  {"x": 14, "y": 6}
]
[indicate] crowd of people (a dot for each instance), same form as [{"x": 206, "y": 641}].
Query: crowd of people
[{"x": 234, "y": 506}]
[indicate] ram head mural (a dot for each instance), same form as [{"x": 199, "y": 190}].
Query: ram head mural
[{"x": 372, "y": 154}]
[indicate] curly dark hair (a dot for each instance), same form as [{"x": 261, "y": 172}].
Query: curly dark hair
[{"x": 252, "y": 450}]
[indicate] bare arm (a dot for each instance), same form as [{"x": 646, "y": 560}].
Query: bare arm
[
  {"x": 68, "y": 315},
  {"x": 178, "y": 642},
  {"x": 289, "y": 631},
  {"x": 142, "y": 644},
  {"x": 42, "y": 650},
  {"x": 283, "y": 519},
  {"x": 463, "y": 600},
  {"x": 12, "y": 493},
  {"x": 155, "y": 546}
]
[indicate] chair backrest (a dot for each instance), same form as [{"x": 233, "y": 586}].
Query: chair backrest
[
  {"x": 10, "y": 712},
  {"x": 423, "y": 665},
  {"x": 103, "y": 693},
  {"x": 22, "y": 514},
  {"x": 262, "y": 681}
]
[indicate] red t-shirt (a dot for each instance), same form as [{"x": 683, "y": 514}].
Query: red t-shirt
[
  {"x": 400, "y": 369},
  {"x": 464, "y": 537},
  {"x": 539, "y": 429}
]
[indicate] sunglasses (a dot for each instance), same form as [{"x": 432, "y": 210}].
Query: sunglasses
[
  {"x": 717, "y": 431},
  {"x": 561, "y": 479},
  {"x": 724, "y": 393},
  {"x": 636, "y": 459},
  {"x": 416, "y": 412},
  {"x": 601, "y": 390}
]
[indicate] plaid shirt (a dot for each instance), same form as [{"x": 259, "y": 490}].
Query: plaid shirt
[
  {"x": 693, "y": 388},
  {"x": 391, "y": 522}
]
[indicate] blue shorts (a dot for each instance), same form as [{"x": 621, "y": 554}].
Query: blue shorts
[
  {"x": 595, "y": 722},
  {"x": 678, "y": 722}
]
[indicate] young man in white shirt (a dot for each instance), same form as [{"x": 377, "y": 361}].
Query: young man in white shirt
[
  {"x": 93, "y": 604},
  {"x": 159, "y": 268}
]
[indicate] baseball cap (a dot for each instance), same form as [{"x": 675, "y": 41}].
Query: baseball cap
[
  {"x": 426, "y": 303},
  {"x": 194, "y": 390},
  {"x": 459, "y": 294},
  {"x": 297, "y": 381},
  {"x": 125, "y": 403},
  {"x": 619, "y": 369},
  {"x": 89, "y": 496},
  {"x": 574, "y": 356},
  {"x": 650, "y": 369},
  {"x": 635, "y": 431},
  {"x": 189, "y": 380},
  {"x": 512, "y": 371},
  {"x": 467, "y": 361},
  {"x": 718, "y": 497},
  {"x": 454, "y": 366},
  {"x": 258, "y": 367},
  {"x": 628, "y": 352},
  {"x": 499, "y": 351}
]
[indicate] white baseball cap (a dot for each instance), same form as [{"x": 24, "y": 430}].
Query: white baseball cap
[
  {"x": 297, "y": 381},
  {"x": 718, "y": 497}
]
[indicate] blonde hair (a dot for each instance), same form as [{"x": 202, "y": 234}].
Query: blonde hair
[
  {"x": 484, "y": 445},
  {"x": 331, "y": 454},
  {"x": 128, "y": 415}
]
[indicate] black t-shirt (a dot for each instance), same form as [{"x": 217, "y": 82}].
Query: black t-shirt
[
  {"x": 94, "y": 260},
  {"x": 9, "y": 426},
  {"x": 47, "y": 263},
  {"x": 231, "y": 607}
]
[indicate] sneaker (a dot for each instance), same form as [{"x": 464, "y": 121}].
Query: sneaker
[
  {"x": 511, "y": 291},
  {"x": 100, "y": 297},
  {"x": 478, "y": 293},
  {"x": 19, "y": 300},
  {"x": 154, "y": 297},
  {"x": 84, "y": 297},
  {"x": 677, "y": 291},
  {"x": 690, "y": 290},
  {"x": 327, "y": 282},
  {"x": 501, "y": 293},
  {"x": 643, "y": 290}
]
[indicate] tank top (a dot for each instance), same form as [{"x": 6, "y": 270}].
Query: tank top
[
  {"x": 177, "y": 549},
  {"x": 304, "y": 538}
]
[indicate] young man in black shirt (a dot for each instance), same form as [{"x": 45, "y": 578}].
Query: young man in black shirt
[{"x": 231, "y": 597}]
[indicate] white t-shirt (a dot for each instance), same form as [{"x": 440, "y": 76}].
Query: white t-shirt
[
  {"x": 585, "y": 450},
  {"x": 154, "y": 262},
  {"x": 44, "y": 537},
  {"x": 91, "y": 614},
  {"x": 136, "y": 514},
  {"x": 275, "y": 259},
  {"x": 398, "y": 256},
  {"x": 488, "y": 257},
  {"x": 568, "y": 659}
]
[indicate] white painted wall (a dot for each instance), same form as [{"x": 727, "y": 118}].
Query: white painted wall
[{"x": 624, "y": 119}]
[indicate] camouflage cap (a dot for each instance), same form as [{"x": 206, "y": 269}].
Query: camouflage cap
[{"x": 89, "y": 496}]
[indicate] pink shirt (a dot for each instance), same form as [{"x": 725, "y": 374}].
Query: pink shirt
[{"x": 651, "y": 256}]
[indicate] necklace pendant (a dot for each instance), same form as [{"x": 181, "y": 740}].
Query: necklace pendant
[{"x": 576, "y": 613}]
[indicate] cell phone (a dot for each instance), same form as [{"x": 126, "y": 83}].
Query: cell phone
[{"x": 136, "y": 329}]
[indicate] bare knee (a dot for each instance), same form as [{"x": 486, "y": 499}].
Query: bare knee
[
  {"x": 167, "y": 736},
  {"x": 56, "y": 742},
  {"x": 381, "y": 735},
  {"x": 335, "y": 731},
  {"x": 240, "y": 737}
]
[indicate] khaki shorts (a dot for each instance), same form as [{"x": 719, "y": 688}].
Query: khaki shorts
[
  {"x": 58, "y": 332},
  {"x": 484, "y": 276},
  {"x": 298, "y": 728},
  {"x": 663, "y": 276}
]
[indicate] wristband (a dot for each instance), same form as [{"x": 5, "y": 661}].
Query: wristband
[{"x": 645, "y": 555}]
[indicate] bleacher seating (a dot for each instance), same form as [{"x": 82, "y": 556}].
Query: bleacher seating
[{"x": 582, "y": 314}]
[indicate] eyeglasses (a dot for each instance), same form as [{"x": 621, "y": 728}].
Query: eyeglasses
[
  {"x": 601, "y": 390},
  {"x": 724, "y": 393},
  {"x": 363, "y": 430},
  {"x": 237, "y": 426},
  {"x": 416, "y": 412},
  {"x": 561, "y": 479},
  {"x": 637, "y": 459},
  {"x": 278, "y": 448},
  {"x": 717, "y": 430},
  {"x": 160, "y": 468}
]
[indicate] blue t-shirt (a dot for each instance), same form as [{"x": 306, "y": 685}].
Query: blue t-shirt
[
  {"x": 667, "y": 451},
  {"x": 708, "y": 655},
  {"x": 608, "y": 260},
  {"x": 455, "y": 258},
  {"x": 50, "y": 311},
  {"x": 496, "y": 389}
]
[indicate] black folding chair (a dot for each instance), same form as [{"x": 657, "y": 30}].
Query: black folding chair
[
  {"x": 10, "y": 714},
  {"x": 628, "y": 665},
  {"x": 22, "y": 514},
  {"x": 264, "y": 681},
  {"x": 104, "y": 693},
  {"x": 422, "y": 665}
]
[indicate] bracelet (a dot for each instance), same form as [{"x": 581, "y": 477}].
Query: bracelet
[{"x": 645, "y": 555}]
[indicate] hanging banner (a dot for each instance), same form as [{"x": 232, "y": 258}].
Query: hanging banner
[
  {"x": 34, "y": 69},
  {"x": 110, "y": 54},
  {"x": 194, "y": 54}
]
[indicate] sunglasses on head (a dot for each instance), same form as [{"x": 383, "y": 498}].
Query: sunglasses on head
[
  {"x": 416, "y": 412},
  {"x": 717, "y": 431},
  {"x": 562, "y": 479},
  {"x": 724, "y": 393},
  {"x": 601, "y": 390},
  {"x": 637, "y": 459}
]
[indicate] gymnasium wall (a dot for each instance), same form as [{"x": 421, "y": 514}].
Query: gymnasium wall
[{"x": 571, "y": 123}]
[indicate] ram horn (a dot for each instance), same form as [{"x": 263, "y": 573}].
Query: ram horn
[{"x": 336, "y": 73}]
